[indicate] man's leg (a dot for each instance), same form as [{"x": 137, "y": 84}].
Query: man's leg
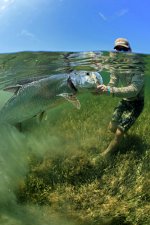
[
  {"x": 125, "y": 115},
  {"x": 112, "y": 127},
  {"x": 114, "y": 143}
]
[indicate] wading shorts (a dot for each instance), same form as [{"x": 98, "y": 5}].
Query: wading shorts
[{"x": 126, "y": 113}]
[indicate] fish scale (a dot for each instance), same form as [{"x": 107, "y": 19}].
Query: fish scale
[{"x": 34, "y": 97}]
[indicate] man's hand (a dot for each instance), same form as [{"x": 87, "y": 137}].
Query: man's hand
[{"x": 101, "y": 89}]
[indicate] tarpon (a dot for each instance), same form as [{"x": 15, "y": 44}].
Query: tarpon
[{"x": 35, "y": 96}]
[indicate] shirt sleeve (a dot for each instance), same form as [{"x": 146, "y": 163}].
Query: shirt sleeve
[
  {"x": 114, "y": 80},
  {"x": 130, "y": 91}
]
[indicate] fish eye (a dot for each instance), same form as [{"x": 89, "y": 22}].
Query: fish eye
[{"x": 88, "y": 73}]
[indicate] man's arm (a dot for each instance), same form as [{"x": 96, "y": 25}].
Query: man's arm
[
  {"x": 130, "y": 91},
  {"x": 114, "y": 80}
]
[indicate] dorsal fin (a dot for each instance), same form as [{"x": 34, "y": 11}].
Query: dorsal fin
[{"x": 13, "y": 89}]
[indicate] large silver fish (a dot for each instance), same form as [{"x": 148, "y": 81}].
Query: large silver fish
[{"x": 35, "y": 96}]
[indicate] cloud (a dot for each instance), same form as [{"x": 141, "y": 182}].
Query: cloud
[
  {"x": 5, "y": 4},
  {"x": 27, "y": 34},
  {"x": 122, "y": 12},
  {"x": 102, "y": 16}
]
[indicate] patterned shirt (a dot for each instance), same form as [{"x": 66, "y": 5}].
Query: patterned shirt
[{"x": 127, "y": 77}]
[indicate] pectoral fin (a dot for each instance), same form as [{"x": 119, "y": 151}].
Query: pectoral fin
[
  {"x": 42, "y": 116},
  {"x": 71, "y": 98},
  {"x": 13, "y": 89}
]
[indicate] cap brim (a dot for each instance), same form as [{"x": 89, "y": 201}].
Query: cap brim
[{"x": 122, "y": 46}]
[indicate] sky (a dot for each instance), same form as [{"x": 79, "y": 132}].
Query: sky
[{"x": 73, "y": 25}]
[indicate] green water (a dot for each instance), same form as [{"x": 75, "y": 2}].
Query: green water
[{"x": 46, "y": 171}]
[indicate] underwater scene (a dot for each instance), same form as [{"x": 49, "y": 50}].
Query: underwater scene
[{"x": 54, "y": 130}]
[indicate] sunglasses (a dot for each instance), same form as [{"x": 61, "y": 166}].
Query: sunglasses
[{"x": 121, "y": 49}]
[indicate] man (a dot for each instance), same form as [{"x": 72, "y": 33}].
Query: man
[{"x": 132, "y": 93}]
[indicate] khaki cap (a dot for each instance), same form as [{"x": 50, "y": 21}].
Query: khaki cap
[{"x": 122, "y": 42}]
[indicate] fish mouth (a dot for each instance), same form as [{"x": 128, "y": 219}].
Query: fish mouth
[{"x": 72, "y": 86}]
